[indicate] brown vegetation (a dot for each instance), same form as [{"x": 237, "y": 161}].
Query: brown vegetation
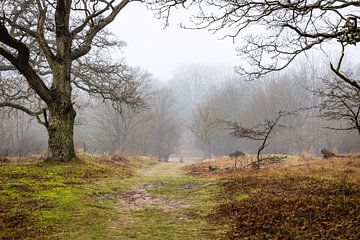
[
  {"x": 310, "y": 200},
  {"x": 306, "y": 156},
  {"x": 119, "y": 156},
  {"x": 4, "y": 160}
]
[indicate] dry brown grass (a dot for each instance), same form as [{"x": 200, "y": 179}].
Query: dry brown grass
[
  {"x": 20, "y": 160},
  {"x": 306, "y": 156},
  {"x": 119, "y": 155},
  {"x": 317, "y": 199},
  {"x": 222, "y": 165}
]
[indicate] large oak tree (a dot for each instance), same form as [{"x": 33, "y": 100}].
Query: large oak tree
[{"x": 48, "y": 47}]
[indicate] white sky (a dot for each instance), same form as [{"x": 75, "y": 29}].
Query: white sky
[{"x": 160, "y": 50}]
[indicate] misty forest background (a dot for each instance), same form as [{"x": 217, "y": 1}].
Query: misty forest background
[{"x": 184, "y": 116}]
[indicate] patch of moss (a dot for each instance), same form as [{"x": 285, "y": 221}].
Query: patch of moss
[
  {"x": 54, "y": 199},
  {"x": 239, "y": 197}
]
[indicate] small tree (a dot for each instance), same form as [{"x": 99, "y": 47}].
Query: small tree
[
  {"x": 163, "y": 128},
  {"x": 261, "y": 132}
]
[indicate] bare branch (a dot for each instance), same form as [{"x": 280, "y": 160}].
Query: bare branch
[
  {"x": 21, "y": 62},
  {"x": 85, "y": 47},
  {"x": 35, "y": 114}
]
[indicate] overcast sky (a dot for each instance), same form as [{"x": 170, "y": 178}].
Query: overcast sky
[{"x": 160, "y": 50}]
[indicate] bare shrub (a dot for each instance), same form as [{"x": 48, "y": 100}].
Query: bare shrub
[{"x": 119, "y": 155}]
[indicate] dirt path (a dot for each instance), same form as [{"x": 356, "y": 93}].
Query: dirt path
[
  {"x": 139, "y": 197},
  {"x": 162, "y": 202}
]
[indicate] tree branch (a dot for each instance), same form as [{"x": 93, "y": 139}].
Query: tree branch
[
  {"x": 85, "y": 46},
  {"x": 21, "y": 62},
  {"x": 35, "y": 114}
]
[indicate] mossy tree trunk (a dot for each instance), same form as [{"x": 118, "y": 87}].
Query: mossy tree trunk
[
  {"x": 62, "y": 115},
  {"x": 61, "y": 131},
  {"x": 61, "y": 118}
]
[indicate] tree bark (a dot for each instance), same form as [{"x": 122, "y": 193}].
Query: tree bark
[
  {"x": 62, "y": 115},
  {"x": 61, "y": 131}
]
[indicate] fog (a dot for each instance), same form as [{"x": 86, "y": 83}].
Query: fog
[
  {"x": 190, "y": 88},
  {"x": 184, "y": 115}
]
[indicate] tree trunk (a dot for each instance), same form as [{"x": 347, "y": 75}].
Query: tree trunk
[
  {"x": 60, "y": 124},
  {"x": 61, "y": 132}
]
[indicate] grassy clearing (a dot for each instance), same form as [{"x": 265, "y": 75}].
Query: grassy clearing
[
  {"x": 81, "y": 200},
  {"x": 308, "y": 200},
  {"x": 96, "y": 198},
  {"x": 47, "y": 200}
]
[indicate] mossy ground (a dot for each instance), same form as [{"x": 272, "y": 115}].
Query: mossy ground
[
  {"x": 80, "y": 200},
  {"x": 184, "y": 222},
  {"x": 47, "y": 199}
]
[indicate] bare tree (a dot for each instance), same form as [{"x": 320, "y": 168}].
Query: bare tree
[
  {"x": 19, "y": 135},
  {"x": 261, "y": 132},
  {"x": 164, "y": 126},
  {"x": 276, "y": 32},
  {"x": 205, "y": 125},
  {"x": 52, "y": 45}
]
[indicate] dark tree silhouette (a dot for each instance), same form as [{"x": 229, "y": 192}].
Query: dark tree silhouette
[
  {"x": 47, "y": 47},
  {"x": 262, "y": 132},
  {"x": 275, "y": 32}
]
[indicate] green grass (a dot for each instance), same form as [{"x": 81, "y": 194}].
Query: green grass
[
  {"x": 153, "y": 223},
  {"x": 80, "y": 200},
  {"x": 188, "y": 222},
  {"x": 55, "y": 200}
]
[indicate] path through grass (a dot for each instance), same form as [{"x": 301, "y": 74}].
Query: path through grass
[
  {"x": 95, "y": 198},
  {"x": 165, "y": 203}
]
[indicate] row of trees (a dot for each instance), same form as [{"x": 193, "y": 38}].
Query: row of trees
[
  {"x": 312, "y": 111},
  {"x": 171, "y": 117},
  {"x": 152, "y": 130},
  {"x": 18, "y": 136},
  {"x": 49, "y": 47}
]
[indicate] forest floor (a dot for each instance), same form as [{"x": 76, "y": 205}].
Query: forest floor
[{"x": 97, "y": 198}]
